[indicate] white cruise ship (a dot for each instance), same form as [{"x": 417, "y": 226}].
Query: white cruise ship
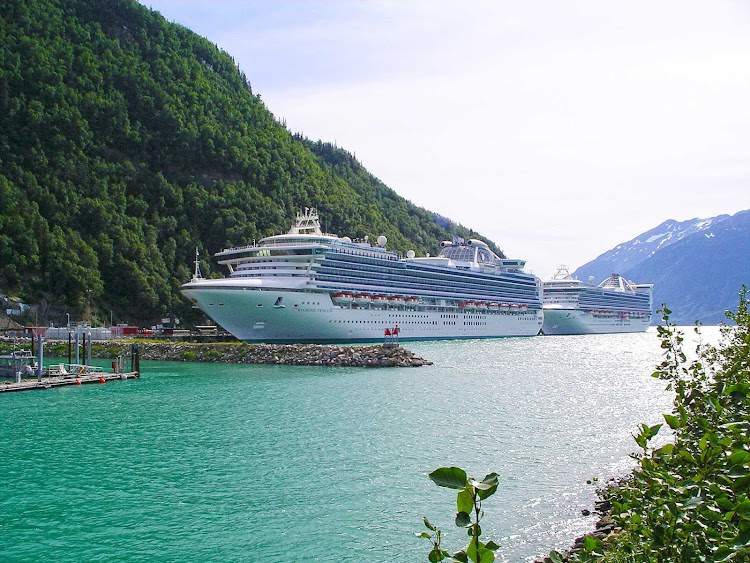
[
  {"x": 616, "y": 305},
  {"x": 307, "y": 286}
]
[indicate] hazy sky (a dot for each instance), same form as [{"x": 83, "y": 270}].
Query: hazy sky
[{"x": 556, "y": 128}]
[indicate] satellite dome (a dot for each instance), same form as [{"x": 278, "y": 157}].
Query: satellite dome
[
  {"x": 346, "y": 239},
  {"x": 410, "y": 254},
  {"x": 382, "y": 240}
]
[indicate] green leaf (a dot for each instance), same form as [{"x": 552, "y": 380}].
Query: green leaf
[
  {"x": 738, "y": 457},
  {"x": 491, "y": 479},
  {"x": 435, "y": 555},
  {"x": 742, "y": 540},
  {"x": 486, "y": 556},
  {"x": 462, "y": 519},
  {"x": 449, "y": 477},
  {"x": 484, "y": 494},
  {"x": 593, "y": 546},
  {"x": 471, "y": 551},
  {"x": 738, "y": 471},
  {"x": 427, "y": 524},
  {"x": 422, "y": 535},
  {"x": 492, "y": 545},
  {"x": 741, "y": 483},
  {"x": 692, "y": 502},
  {"x": 723, "y": 554},
  {"x": 666, "y": 449},
  {"x": 481, "y": 485},
  {"x": 461, "y": 556},
  {"x": 465, "y": 501},
  {"x": 702, "y": 443},
  {"x": 555, "y": 557},
  {"x": 673, "y": 421},
  {"x": 743, "y": 509}
]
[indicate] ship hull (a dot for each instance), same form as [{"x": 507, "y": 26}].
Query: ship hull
[
  {"x": 574, "y": 321},
  {"x": 291, "y": 316}
]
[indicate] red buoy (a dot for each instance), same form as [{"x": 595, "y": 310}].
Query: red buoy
[
  {"x": 78, "y": 381},
  {"x": 101, "y": 380}
]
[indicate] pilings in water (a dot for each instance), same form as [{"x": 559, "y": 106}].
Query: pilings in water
[{"x": 77, "y": 373}]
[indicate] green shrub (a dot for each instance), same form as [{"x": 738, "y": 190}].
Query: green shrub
[{"x": 688, "y": 500}]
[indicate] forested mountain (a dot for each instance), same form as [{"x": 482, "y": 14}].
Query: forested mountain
[
  {"x": 697, "y": 266},
  {"x": 126, "y": 141}
]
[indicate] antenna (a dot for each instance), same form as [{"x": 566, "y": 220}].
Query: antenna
[{"x": 197, "y": 274}]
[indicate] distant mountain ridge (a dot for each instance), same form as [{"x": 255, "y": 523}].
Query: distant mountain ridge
[{"x": 697, "y": 266}]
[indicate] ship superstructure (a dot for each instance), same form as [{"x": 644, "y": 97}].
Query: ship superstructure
[
  {"x": 615, "y": 305},
  {"x": 309, "y": 286}
]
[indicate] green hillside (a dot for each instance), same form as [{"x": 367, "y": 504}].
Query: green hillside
[{"x": 126, "y": 141}]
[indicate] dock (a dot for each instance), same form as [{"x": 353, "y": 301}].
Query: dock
[
  {"x": 99, "y": 377},
  {"x": 21, "y": 365}
]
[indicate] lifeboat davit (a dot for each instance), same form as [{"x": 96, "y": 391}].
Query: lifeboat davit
[
  {"x": 411, "y": 301},
  {"x": 342, "y": 298},
  {"x": 362, "y": 299}
]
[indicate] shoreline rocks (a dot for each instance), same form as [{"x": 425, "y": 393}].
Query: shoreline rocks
[
  {"x": 380, "y": 355},
  {"x": 603, "y": 528}
]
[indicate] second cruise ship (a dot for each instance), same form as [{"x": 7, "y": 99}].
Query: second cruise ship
[
  {"x": 308, "y": 286},
  {"x": 615, "y": 305}
]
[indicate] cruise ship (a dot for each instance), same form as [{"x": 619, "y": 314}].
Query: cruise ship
[
  {"x": 308, "y": 286},
  {"x": 616, "y": 305}
]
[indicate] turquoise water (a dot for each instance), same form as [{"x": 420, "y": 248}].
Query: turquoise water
[{"x": 200, "y": 462}]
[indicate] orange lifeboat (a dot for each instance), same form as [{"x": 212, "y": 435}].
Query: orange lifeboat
[
  {"x": 396, "y": 301},
  {"x": 362, "y": 299},
  {"x": 342, "y": 298}
]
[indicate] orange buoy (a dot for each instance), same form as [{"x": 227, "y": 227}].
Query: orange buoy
[
  {"x": 78, "y": 381},
  {"x": 101, "y": 380}
]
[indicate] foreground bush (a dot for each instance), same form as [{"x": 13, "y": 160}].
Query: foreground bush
[{"x": 688, "y": 500}]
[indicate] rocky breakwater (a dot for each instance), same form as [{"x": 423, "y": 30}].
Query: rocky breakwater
[{"x": 385, "y": 355}]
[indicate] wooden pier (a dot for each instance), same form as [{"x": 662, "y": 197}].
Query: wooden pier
[{"x": 99, "y": 377}]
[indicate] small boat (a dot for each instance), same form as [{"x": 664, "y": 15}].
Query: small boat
[
  {"x": 395, "y": 301},
  {"x": 411, "y": 301},
  {"x": 493, "y": 306},
  {"x": 342, "y": 298},
  {"x": 379, "y": 300},
  {"x": 17, "y": 364},
  {"x": 362, "y": 299}
]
